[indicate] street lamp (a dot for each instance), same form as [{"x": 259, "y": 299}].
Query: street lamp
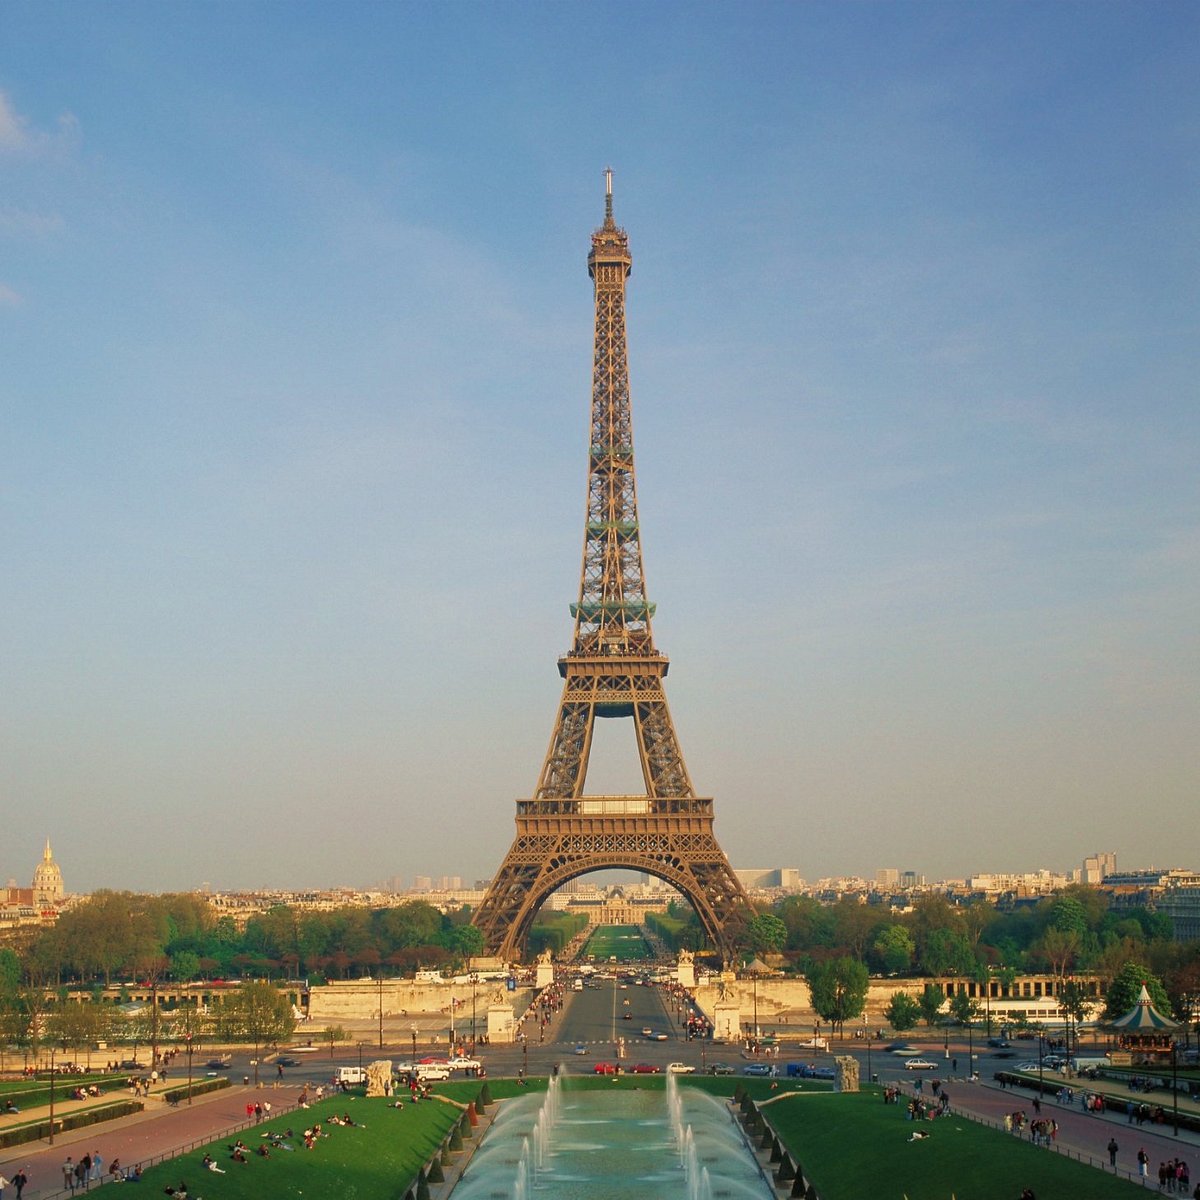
[
  {"x": 474, "y": 980},
  {"x": 52, "y": 1095},
  {"x": 360, "y": 1046},
  {"x": 1041, "y": 1059},
  {"x": 870, "y": 1076},
  {"x": 1175, "y": 1084},
  {"x": 188, "y": 1040},
  {"x": 381, "y": 1010},
  {"x": 414, "y": 1049},
  {"x": 525, "y": 1062}
]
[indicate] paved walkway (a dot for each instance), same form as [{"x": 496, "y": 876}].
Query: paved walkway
[
  {"x": 160, "y": 1130},
  {"x": 1081, "y": 1134}
]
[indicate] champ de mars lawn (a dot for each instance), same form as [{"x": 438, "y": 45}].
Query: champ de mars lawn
[{"x": 851, "y": 1146}]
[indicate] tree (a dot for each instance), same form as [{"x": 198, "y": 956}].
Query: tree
[
  {"x": 902, "y": 1011},
  {"x": 766, "y": 933},
  {"x": 1060, "y": 946},
  {"x": 839, "y": 989},
  {"x": 894, "y": 949},
  {"x": 931, "y": 1001},
  {"x": 333, "y": 1034},
  {"x": 256, "y": 1012},
  {"x": 963, "y": 1008},
  {"x": 1124, "y": 990},
  {"x": 947, "y": 952}
]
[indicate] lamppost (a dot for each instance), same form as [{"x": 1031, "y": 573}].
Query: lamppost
[
  {"x": 970, "y": 1050},
  {"x": 524, "y": 1061},
  {"x": 870, "y": 1076},
  {"x": 52, "y": 1095},
  {"x": 1175, "y": 1084},
  {"x": 360, "y": 1046},
  {"x": 414, "y": 1049},
  {"x": 474, "y": 981},
  {"x": 187, "y": 1037},
  {"x": 381, "y": 1010},
  {"x": 754, "y": 980},
  {"x": 1041, "y": 1058},
  {"x": 946, "y": 1035}
]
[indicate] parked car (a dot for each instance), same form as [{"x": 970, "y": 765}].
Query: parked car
[
  {"x": 678, "y": 1068},
  {"x": 919, "y": 1064},
  {"x": 604, "y": 1068},
  {"x": 809, "y": 1071},
  {"x": 351, "y": 1076},
  {"x": 646, "y": 1069},
  {"x": 720, "y": 1068},
  {"x": 757, "y": 1069}
]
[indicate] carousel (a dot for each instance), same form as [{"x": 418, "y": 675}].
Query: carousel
[{"x": 1143, "y": 1033}]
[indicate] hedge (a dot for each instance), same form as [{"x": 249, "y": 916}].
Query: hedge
[{"x": 36, "y": 1130}]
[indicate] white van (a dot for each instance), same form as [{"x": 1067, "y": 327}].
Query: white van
[{"x": 351, "y": 1076}]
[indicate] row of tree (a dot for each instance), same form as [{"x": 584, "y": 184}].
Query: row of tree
[{"x": 116, "y": 936}]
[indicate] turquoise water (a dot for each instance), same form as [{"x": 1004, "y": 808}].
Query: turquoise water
[{"x": 677, "y": 1144}]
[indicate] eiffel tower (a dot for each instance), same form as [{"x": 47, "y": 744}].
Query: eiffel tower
[{"x": 613, "y": 670}]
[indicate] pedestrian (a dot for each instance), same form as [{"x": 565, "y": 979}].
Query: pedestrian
[
  {"x": 3, "y": 1184},
  {"x": 97, "y": 1166},
  {"x": 1112, "y": 1153},
  {"x": 68, "y": 1170},
  {"x": 1143, "y": 1161},
  {"x": 20, "y": 1179}
]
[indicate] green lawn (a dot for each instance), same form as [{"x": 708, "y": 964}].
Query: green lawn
[
  {"x": 855, "y": 1145},
  {"x": 375, "y": 1159},
  {"x": 622, "y": 942}
]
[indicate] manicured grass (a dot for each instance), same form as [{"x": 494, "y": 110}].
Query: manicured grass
[
  {"x": 375, "y": 1159},
  {"x": 623, "y": 942},
  {"x": 855, "y": 1145},
  {"x": 30, "y": 1093}
]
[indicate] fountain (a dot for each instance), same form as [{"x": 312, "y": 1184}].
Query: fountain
[{"x": 681, "y": 1144}]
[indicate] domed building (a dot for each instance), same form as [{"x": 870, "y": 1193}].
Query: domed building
[{"x": 48, "y": 880}]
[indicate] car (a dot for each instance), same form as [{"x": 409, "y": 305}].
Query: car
[
  {"x": 131, "y": 1064},
  {"x": 1027, "y": 1066},
  {"x": 656, "y": 1037},
  {"x": 999, "y": 1043},
  {"x": 430, "y": 1072},
  {"x": 902, "y": 1050},
  {"x": 604, "y": 1068},
  {"x": 580, "y": 1048},
  {"x": 1005, "y": 1054},
  {"x": 217, "y": 1064},
  {"x": 678, "y": 1068},
  {"x": 814, "y": 1043},
  {"x": 757, "y": 1069},
  {"x": 462, "y": 1063},
  {"x": 286, "y": 1061},
  {"x": 627, "y": 1016},
  {"x": 647, "y": 1031},
  {"x": 919, "y": 1064},
  {"x": 720, "y": 1068},
  {"x": 646, "y": 1069}
]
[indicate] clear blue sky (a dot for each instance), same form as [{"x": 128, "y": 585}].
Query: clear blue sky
[{"x": 295, "y": 343}]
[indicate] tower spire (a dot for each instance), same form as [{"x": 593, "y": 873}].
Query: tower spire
[{"x": 608, "y": 213}]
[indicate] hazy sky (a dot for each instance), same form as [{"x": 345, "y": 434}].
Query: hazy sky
[{"x": 295, "y": 350}]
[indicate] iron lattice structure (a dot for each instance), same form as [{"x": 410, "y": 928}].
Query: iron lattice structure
[{"x": 612, "y": 670}]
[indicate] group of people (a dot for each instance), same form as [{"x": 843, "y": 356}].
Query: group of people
[
  {"x": 90, "y": 1169},
  {"x": 19, "y": 1181},
  {"x": 1173, "y": 1175}
]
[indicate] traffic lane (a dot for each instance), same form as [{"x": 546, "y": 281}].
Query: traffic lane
[{"x": 609, "y": 1011}]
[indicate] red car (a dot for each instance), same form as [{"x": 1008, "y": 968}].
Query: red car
[
  {"x": 602, "y": 1068},
  {"x": 647, "y": 1069}
]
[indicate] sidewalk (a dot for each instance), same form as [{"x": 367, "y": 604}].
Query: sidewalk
[{"x": 160, "y": 1130}]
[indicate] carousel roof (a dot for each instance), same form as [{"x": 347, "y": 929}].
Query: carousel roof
[{"x": 1143, "y": 1017}]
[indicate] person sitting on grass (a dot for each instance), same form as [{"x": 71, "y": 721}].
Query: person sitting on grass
[{"x": 211, "y": 1163}]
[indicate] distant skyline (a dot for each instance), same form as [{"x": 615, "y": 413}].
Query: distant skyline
[{"x": 296, "y": 334}]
